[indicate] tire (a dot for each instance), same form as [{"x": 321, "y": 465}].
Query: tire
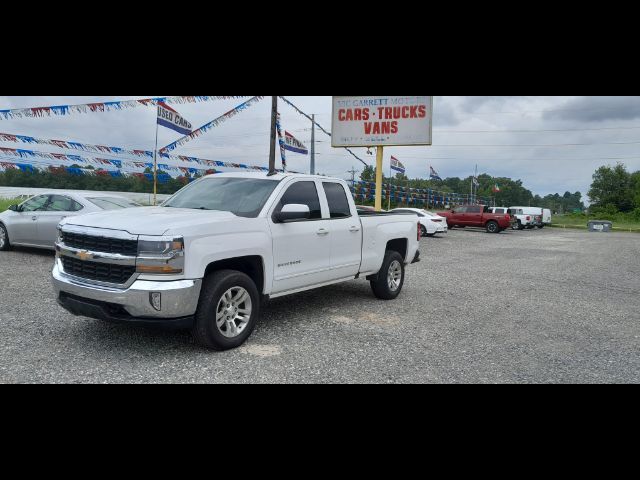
[
  {"x": 520, "y": 226},
  {"x": 393, "y": 264},
  {"x": 4, "y": 239},
  {"x": 530, "y": 227},
  {"x": 229, "y": 285},
  {"x": 493, "y": 227},
  {"x": 423, "y": 231},
  {"x": 540, "y": 227}
]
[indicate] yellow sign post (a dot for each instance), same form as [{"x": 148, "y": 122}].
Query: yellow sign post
[{"x": 379, "y": 157}]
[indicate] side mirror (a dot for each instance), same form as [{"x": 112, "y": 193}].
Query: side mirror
[
  {"x": 293, "y": 212},
  {"x": 15, "y": 208}
]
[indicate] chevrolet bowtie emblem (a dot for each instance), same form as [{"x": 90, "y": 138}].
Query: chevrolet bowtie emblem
[{"x": 84, "y": 255}]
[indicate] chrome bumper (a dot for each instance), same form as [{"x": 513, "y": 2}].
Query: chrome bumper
[{"x": 178, "y": 298}]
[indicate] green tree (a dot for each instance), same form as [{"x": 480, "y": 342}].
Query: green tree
[
  {"x": 368, "y": 174},
  {"x": 612, "y": 186}
]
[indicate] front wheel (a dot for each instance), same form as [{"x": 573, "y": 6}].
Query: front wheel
[
  {"x": 228, "y": 310},
  {"x": 4, "y": 238},
  {"x": 493, "y": 227},
  {"x": 389, "y": 281}
]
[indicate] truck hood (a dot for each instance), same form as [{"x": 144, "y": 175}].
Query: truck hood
[{"x": 149, "y": 220}]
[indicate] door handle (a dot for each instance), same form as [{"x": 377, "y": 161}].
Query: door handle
[
  {"x": 34, "y": 218},
  {"x": 323, "y": 231},
  {"x": 354, "y": 229}
]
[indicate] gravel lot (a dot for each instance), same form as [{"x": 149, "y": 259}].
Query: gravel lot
[{"x": 532, "y": 306}]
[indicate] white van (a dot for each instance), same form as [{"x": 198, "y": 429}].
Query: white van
[{"x": 546, "y": 217}]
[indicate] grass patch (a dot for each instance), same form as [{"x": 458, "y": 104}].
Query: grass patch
[
  {"x": 5, "y": 203},
  {"x": 625, "y": 224}
]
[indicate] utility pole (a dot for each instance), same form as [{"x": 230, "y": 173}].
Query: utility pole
[
  {"x": 312, "y": 170},
  {"x": 353, "y": 172},
  {"x": 272, "y": 138}
]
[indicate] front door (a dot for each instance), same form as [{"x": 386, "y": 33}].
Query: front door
[
  {"x": 301, "y": 249},
  {"x": 24, "y": 225},
  {"x": 59, "y": 207}
]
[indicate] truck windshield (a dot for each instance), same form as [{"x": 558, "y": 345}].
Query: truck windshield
[{"x": 244, "y": 197}]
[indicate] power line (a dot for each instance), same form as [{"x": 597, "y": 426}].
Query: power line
[{"x": 320, "y": 127}]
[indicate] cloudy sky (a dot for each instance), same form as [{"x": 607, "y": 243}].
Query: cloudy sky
[{"x": 553, "y": 144}]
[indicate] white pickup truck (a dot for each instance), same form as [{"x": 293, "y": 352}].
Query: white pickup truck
[{"x": 210, "y": 256}]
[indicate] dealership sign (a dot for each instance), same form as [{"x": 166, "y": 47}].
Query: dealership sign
[{"x": 381, "y": 121}]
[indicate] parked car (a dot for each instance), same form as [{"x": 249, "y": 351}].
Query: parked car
[
  {"x": 477, "y": 216},
  {"x": 526, "y": 217},
  {"x": 546, "y": 217},
  {"x": 430, "y": 223},
  {"x": 34, "y": 223},
  {"x": 210, "y": 256}
]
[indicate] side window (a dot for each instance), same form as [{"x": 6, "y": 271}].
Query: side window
[
  {"x": 499, "y": 210},
  {"x": 35, "y": 204},
  {"x": 337, "y": 199},
  {"x": 60, "y": 203},
  {"x": 461, "y": 210},
  {"x": 474, "y": 210},
  {"x": 303, "y": 193},
  {"x": 75, "y": 206}
]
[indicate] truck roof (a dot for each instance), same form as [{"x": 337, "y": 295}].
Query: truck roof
[{"x": 277, "y": 176}]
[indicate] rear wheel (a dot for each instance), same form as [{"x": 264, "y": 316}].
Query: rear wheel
[
  {"x": 423, "y": 231},
  {"x": 389, "y": 281},
  {"x": 4, "y": 238},
  {"x": 540, "y": 227},
  {"x": 520, "y": 226},
  {"x": 228, "y": 310},
  {"x": 493, "y": 227}
]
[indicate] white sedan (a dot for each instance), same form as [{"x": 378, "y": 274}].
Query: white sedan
[
  {"x": 34, "y": 223},
  {"x": 430, "y": 222}
]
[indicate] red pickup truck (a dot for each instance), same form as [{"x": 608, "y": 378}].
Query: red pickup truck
[{"x": 477, "y": 216}]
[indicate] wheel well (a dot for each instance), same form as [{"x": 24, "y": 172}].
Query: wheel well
[
  {"x": 398, "y": 245},
  {"x": 252, "y": 266}
]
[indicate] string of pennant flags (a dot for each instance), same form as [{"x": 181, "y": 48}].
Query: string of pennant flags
[
  {"x": 69, "y": 145},
  {"x": 180, "y": 164},
  {"x": 208, "y": 126},
  {"x": 105, "y": 106},
  {"x": 365, "y": 190}
]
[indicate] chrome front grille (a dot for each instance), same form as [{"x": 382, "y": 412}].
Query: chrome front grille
[
  {"x": 98, "y": 272},
  {"x": 100, "y": 244}
]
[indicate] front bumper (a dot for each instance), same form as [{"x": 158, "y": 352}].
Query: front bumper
[{"x": 179, "y": 299}]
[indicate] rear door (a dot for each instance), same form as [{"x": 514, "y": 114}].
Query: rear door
[
  {"x": 24, "y": 225},
  {"x": 345, "y": 232},
  {"x": 301, "y": 249},
  {"x": 59, "y": 207},
  {"x": 474, "y": 216}
]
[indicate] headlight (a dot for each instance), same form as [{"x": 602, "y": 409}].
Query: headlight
[{"x": 160, "y": 255}]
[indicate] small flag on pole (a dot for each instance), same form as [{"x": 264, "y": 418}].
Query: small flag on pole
[
  {"x": 496, "y": 188},
  {"x": 292, "y": 144},
  {"x": 434, "y": 175},
  {"x": 168, "y": 117},
  {"x": 397, "y": 165}
]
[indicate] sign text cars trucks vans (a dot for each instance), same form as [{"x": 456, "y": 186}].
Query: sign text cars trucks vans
[{"x": 208, "y": 257}]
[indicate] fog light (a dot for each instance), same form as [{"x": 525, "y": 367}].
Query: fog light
[{"x": 155, "y": 298}]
